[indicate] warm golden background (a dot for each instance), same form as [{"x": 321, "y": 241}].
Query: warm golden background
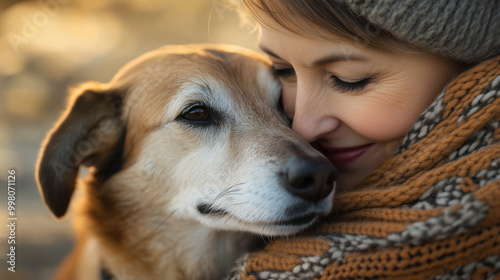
[{"x": 48, "y": 45}]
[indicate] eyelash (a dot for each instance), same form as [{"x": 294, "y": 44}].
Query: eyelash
[
  {"x": 284, "y": 72},
  {"x": 346, "y": 87},
  {"x": 337, "y": 83}
]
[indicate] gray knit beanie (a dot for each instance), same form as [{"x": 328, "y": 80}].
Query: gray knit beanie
[{"x": 465, "y": 30}]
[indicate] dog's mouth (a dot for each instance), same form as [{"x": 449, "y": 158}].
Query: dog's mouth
[
  {"x": 299, "y": 221},
  {"x": 208, "y": 209}
]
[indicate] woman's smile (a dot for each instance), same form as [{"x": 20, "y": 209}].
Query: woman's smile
[{"x": 344, "y": 156}]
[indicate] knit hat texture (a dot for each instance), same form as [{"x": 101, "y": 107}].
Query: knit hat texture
[{"x": 465, "y": 30}]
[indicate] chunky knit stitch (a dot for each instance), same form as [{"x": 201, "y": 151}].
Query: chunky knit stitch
[
  {"x": 432, "y": 211},
  {"x": 465, "y": 30}
]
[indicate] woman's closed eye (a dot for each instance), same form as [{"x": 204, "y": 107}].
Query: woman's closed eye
[
  {"x": 349, "y": 87},
  {"x": 283, "y": 72}
]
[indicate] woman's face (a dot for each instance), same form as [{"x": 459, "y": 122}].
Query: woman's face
[{"x": 351, "y": 102}]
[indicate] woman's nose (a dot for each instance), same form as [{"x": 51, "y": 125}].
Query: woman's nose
[{"x": 313, "y": 115}]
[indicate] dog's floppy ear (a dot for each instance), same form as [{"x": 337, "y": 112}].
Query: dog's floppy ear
[{"x": 87, "y": 134}]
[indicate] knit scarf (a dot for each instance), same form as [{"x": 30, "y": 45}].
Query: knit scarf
[{"x": 431, "y": 211}]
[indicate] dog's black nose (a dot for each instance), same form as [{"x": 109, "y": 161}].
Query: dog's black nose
[{"x": 309, "y": 178}]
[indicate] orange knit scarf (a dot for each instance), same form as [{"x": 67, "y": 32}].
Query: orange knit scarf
[{"x": 432, "y": 211}]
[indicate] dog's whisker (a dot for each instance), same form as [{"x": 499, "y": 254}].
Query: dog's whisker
[
  {"x": 238, "y": 204},
  {"x": 234, "y": 191},
  {"x": 228, "y": 191}
]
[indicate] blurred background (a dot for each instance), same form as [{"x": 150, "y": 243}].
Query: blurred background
[{"x": 47, "y": 46}]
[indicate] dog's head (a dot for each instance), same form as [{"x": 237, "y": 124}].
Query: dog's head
[{"x": 195, "y": 132}]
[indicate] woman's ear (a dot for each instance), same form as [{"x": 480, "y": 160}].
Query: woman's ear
[{"x": 87, "y": 133}]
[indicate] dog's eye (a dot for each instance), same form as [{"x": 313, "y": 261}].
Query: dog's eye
[{"x": 197, "y": 114}]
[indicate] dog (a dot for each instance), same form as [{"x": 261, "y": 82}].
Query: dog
[{"x": 191, "y": 163}]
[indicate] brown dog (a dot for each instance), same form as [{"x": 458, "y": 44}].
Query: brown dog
[{"x": 191, "y": 161}]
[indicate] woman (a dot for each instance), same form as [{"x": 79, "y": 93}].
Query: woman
[{"x": 362, "y": 82}]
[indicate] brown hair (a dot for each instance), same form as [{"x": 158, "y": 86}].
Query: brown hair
[{"x": 321, "y": 18}]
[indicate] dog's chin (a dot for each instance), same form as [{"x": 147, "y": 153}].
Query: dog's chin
[
  {"x": 291, "y": 220},
  {"x": 223, "y": 220}
]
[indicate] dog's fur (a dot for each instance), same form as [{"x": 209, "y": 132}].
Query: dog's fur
[{"x": 171, "y": 195}]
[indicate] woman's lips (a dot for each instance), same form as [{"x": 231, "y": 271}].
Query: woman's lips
[{"x": 345, "y": 155}]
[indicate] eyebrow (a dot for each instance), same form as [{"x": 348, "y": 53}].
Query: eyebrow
[
  {"x": 322, "y": 61},
  {"x": 269, "y": 52},
  {"x": 336, "y": 58}
]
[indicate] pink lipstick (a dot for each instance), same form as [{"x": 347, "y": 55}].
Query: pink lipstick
[{"x": 345, "y": 155}]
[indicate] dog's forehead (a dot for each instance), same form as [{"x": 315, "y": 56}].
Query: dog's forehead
[
  {"x": 248, "y": 92},
  {"x": 171, "y": 79},
  {"x": 189, "y": 60}
]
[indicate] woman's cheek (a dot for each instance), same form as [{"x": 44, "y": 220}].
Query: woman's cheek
[
  {"x": 387, "y": 111},
  {"x": 382, "y": 117},
  {"x": 289, "y": 92}
]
